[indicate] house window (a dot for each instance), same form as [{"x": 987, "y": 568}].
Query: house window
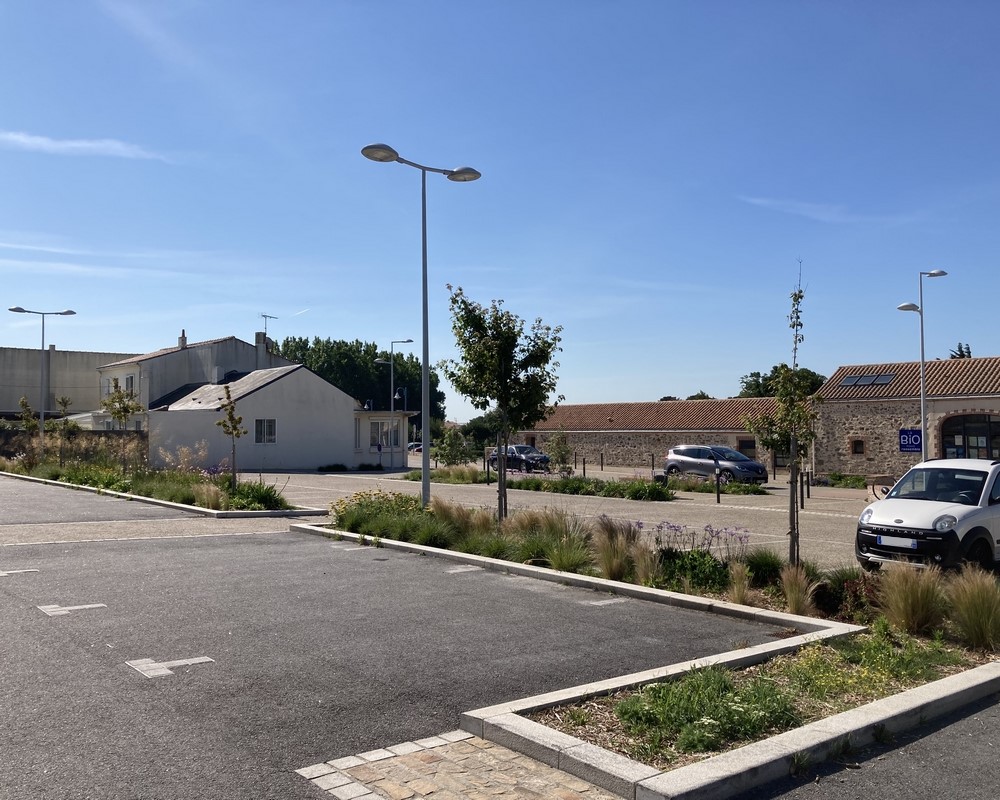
[
  {"x": 857, "y": 447},
  {"x": 380, "y": 435},
  {"x": 357, "y": 434},
  {"x": 264, "y": 431},
  {"x": 138, "y": 424},
  {"x": 130, "y": 384}
]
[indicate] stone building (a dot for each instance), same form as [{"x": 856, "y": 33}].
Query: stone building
[{"x": 867, "y": 418}]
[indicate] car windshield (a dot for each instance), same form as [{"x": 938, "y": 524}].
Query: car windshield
[
  {"x": 941, "y": 484},
  {"x": 524, "y": 449},
  {"x": 729, "y": 454}
]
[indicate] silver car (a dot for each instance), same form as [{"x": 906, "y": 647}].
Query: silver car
[{"x": 703, "y": 460}]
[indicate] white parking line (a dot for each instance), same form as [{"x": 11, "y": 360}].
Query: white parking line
[
  {"x": 610, "y": 601},
  {"x": 469, "y": 568},
  {"x": 59, "y": 611},
  {"x": 160, "y": 669},
  {"x": 4, "y": 574}
]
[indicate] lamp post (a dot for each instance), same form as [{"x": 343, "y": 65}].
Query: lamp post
[
  {"x": 385, "y": 154},
  {"x": 392, "y": 393},
  {"x": 918, "y": 307},
  {"x": 43, "y": 388}
]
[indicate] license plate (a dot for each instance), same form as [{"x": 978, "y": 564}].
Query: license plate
[{"x": 896, "y": 541}]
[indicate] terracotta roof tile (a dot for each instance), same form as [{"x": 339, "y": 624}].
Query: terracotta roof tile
[
  {"x": 665, "y": 415},
  {"x": 952, "y": 377}
]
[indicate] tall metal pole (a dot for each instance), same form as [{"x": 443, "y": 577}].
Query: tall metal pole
[
  {"x": 425, "y": 369},
  {"x": 385, "y": 154},
  {"x": 923, "y": 376},
  {"x": 43, "y": 391},
  {"x": 392, "y": 404}
]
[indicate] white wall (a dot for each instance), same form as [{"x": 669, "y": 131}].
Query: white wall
[{"x": 314, "y": 424}]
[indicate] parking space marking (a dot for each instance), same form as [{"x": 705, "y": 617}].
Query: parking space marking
[
  {"x": 6, "y": 573},
  {"x": 59, "y": 611},
  {"x": 610, "y": 601},
  {"x": 160, "y": 669},
  {"x": 469, "y": 568}
]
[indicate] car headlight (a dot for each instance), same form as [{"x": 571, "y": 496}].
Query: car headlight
[
  {"x": 945, "y": 523},
  {"x": 865, "y": 516}
]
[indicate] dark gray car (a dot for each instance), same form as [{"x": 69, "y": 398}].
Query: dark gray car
[{"x": 702, "y": 460}]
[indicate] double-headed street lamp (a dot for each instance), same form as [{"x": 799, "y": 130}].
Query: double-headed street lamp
[
  {"x": 918, "y": 307},
  {"x": 385, "y": 154},
  {"x": 44, "y": 384},
  {"x": 392, "y": 393}
]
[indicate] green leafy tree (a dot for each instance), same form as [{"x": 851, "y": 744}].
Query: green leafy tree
[
  {"x": 452, "y": 449},
  {"x": 121, "y": 404},
  {"x": 232, "y": 426},
  {"x": 790, "y": 428},
  {"x": 351, "y": 367},
  {"x": 27, "y": 417},
  {"x": 481, "y": 432},
  {"x": 668, "y": 397},
  {"x": 504, "y": 366},
  {"x": 559, "y": 451},
  {"x": 702, "y": 395},
  {"x": 757, "y": 384},
  {"x": 66, "y": 425},
  {"x": 962, "y": 351}
]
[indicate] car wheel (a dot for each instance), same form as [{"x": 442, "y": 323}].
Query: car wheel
[
  {"x": 673, "y": 471},
  {"x": 980, "y": 554},
  {"x": 725, "y": 477}
]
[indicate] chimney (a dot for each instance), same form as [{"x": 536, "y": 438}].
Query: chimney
[
  {"x": 182, "y": 340},
  {"x": 263, "y": 360}
]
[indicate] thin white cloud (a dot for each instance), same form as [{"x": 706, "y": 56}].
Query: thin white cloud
[
  {"x": 88, "y": 270},
  {"x": 823, "y": 212},
  {"x": 112, "y": 148}
]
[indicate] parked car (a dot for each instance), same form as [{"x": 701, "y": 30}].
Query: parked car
[
  {"x": 942, "y": 512},
  {"x": 414, "y": 447},
  {"x": 703, "y": 460},
  {"x": 523, "y": 457}
]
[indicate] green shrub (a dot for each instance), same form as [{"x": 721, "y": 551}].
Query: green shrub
[
  {"x": 975, "y": 607},
  {"x": 432, "y": 532},
  {"x": 570, "y": 553},
  {"x": 765, "y": 566},
  {"x": 913, "y": 600},
  {"x": 692, "y": 570},
  {"x": 348, "y": 511},
  {"x": 798, "y": 589},
  {"x": 831, "y": 593},
  {"x": 490, "y": 545},
  {"x": 612, "y": 543},
  {"x": 256, "y": 496},
  {"x": 705, "y": 710}
]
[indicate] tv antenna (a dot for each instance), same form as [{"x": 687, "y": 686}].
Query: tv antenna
[{"x": 266, "y": 318}]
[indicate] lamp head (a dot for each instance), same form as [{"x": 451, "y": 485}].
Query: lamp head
[
  {"x": 464, "y": 175},
  {"x": 67, "y": 313},
  {"x": 17, "y": 310},
  {"x": 381, "y": 361},
  {"x": 380, "y": 152},
  {"x": 935, "y": 273},
  {"x": 908, "y": 307}
]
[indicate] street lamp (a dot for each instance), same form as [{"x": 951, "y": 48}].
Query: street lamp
[
  {"x": 385, "y": 154},
  {"x": 919, "y": 309},
  {"x": 44, "y": 384},
  {"x": 392, "y": 393}
]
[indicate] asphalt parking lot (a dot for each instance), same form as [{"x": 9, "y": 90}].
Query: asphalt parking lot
[{"x": 318, "y": 649}]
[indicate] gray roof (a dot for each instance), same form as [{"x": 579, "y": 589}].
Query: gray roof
[{"x": 211, "y": 396}]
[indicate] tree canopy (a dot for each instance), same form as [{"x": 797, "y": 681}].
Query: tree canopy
[
  {"x": 962, "y": 351},
  {"x": 505, "y": 366},
  {"x": 757, "y": 384},
  {"x": 351, "y": 367}
]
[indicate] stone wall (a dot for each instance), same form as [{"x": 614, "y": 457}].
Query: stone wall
[{"x": 639, "y": 449}]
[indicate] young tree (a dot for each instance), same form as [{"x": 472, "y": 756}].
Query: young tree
[
  {"x": 121, "y": 405},
  {"x": 231, "y": 425},
  {"x": 962, "y": 351},
  {"x": 790, "y": 428},
  {"x": 452, "y": 448},
  {"x": 505, "y": 366},
  {"x": 559, "y": 451},
  {"x": 27, "y": 416},
  {"x": 65, "y": 425}
]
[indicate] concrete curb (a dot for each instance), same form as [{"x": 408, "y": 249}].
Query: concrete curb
[
  {"x": 205, "y": 512},
  {"x": 724, "y": 775}
]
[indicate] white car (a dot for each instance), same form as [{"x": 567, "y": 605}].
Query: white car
[{"x": 942, "y": 512}]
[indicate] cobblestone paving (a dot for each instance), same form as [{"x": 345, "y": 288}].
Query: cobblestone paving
[{"x": 452, "y": 766}]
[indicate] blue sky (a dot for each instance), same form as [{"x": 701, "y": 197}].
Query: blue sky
[{"x": 653, "y": 173}]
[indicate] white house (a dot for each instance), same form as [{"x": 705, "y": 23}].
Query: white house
[{"x": 294, "y": 420}]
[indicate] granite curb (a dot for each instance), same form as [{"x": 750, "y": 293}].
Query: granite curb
[{"x": 205, "y": 512}]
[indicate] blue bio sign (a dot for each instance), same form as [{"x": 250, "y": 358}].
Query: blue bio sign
[{"x": 910, "y": 440}]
